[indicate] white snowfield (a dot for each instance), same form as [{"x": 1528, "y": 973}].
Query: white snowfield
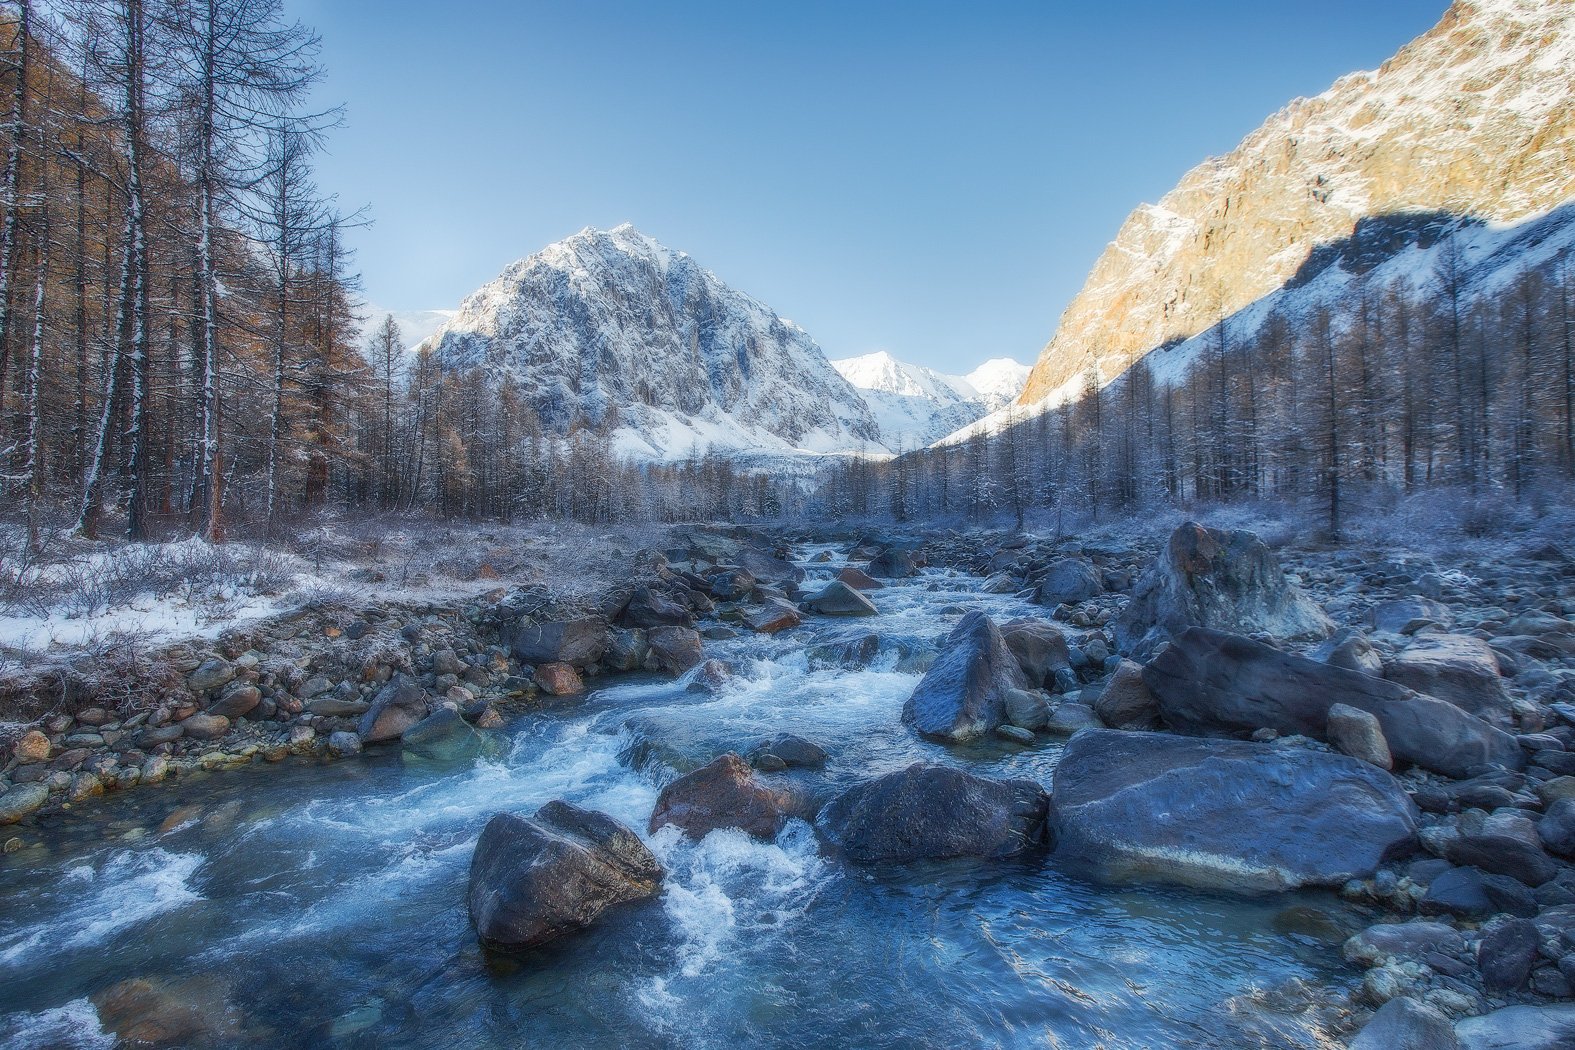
[{"x": 613, "y": 330}]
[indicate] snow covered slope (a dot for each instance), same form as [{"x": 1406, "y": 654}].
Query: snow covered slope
[
  {"x": 612, "y": 330},
  {"x": 1475, "y": 118},
  {"x": 916, "y": 406}
]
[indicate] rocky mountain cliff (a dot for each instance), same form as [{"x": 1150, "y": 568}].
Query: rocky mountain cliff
[
  {"x": 1474, "y": 119},
  {"x": 610, "y": 329}
]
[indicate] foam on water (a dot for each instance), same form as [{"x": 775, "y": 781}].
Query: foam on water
[
  {"x": 71, "y": 1026},
  {"x": 94, "y": 901}
]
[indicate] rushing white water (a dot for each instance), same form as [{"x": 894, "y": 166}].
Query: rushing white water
[{"x": 328, "y": 902}]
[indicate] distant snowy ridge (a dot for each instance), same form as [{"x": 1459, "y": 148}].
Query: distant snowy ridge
[
  {"x": 614, "y": 331},
  {"x": 916, "y": 406},
  {"x": 415, "y": 326}
]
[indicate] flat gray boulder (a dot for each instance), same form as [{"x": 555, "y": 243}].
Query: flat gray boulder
[
  {"x": 1209, "y": 682},
  {"x": 1228, "y": 581},
  {"x": 1225, "y": 814},
  {"x": 963, "y": 695},
  {"x": 839, "y": 599},
  {"x": 1520, "y": 1028},
  {"x": 534, "y": 879}
]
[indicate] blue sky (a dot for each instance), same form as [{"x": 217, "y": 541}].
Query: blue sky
[{"x": 933, "y": 179}]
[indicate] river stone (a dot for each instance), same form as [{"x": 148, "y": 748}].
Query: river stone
[
  {"x": 442, "y": 736},
  {"x": 1379, "y": 944},
  {"x": 1505, "y": 843},
  {"x": 205, "y": 727},
  {"x": 1068, "y": 581},
  {"x": 187, "y": 1011},
  {"x": 32, "y": 747},
  {"x": 1457, "y": 668},
  {"x": 1408, "y": 615},
  {"x": 1125, "y": 702},
  {"x": 963, "y": 694},
  {"x": 166, "y": 734},
  {"x": 1211, "y": 682},
  {"x": 211, "y": 674},
  {"x": 723, "y": 794},
  {"x": 1471, "y": 894},
  {"x": 1507, "y": 953},
  {"x": 333, "y": 707},
  {"x": 1040, "y": 648},
  {"x": 732, "y": 585},
  {"x": 578, "y": 643},
  {"x": 238, "y": 700},
  {"x": 344, "y": 743},
  {"x": 859, "y": 579},
  {"x": 397, "y": 706},
  {"x": 773, "y": 615},
  {"x": 934, "y": 812},
  {"x": 1237, "y": 815},
  {"x": 1405, "y": 1024},
  {"x": 21, "y": 801},
  {"x": 675, "y": 649},
  {"x": 649, "y": 608},
  {"x": 1354, "y": 651},
  {"x": 1227, "y": 581},
  {"x": 536, "y": 879},
  {"x": 839, "y": 599},
  {"x": 1357, "y": 733},
  {"x": 1556, "y": 829},
  {"x": 559, "y": 679},
  {"x": 894, "y": 564},
  {"x": 792, "y": 750},
  {"x": 1026, "y": 710},
  {"x": 1068, "y": 718},
  {"x": 765, "y": 566},
  {"x": 1520, "y": 1028}
]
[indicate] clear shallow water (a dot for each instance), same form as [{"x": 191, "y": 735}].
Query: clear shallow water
[{"x": 326, "y": 903}]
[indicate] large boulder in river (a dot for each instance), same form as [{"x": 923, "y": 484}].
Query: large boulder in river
[
  {"x": 934, "y": 812},
  {"x": 535, "y": 879},
  {"x": 397, "y": 706},
  {"x": 1405, "y": 1024},
  {"x": 1228, "y": 581},
  {"x": 1068, "y": 581},
  {"x": 1225, "y": 814},
  {"x": 1211, "y": 682},
  {"x": 1458, "y": 668},
  {"x": 765, "y": 566},
  {"x": 724, "y": 794},
  {"x": 839, "y": 599},
  {"x": 963, "y": 695},
  {"x": 578, "y": 643}
]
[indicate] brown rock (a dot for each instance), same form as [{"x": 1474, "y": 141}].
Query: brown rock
[
  {"x": 558, "y": 679},
  {"x": 723, "y": 794},
  {"x": 859, "y": 579},
  {"x": 206, "y": 727},
  {"x": 33, "y": 747}
]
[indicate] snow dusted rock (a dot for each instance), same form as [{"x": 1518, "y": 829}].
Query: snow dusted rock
[
  {"x": 1238, "y": 815},
  {"x": 612, "y": 329},
  {"x": 1228, "y": 581}
]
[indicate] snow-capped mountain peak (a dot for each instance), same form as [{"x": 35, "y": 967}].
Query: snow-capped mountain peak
[
  {"x": 916, "y": 405},
  {"x": 612, "y": 330}
]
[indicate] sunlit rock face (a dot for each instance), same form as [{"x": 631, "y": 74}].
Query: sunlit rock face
[{"x": 1474, "y": 118}]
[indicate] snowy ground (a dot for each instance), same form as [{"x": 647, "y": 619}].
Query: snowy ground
[{"x": 80, "y": 595}]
